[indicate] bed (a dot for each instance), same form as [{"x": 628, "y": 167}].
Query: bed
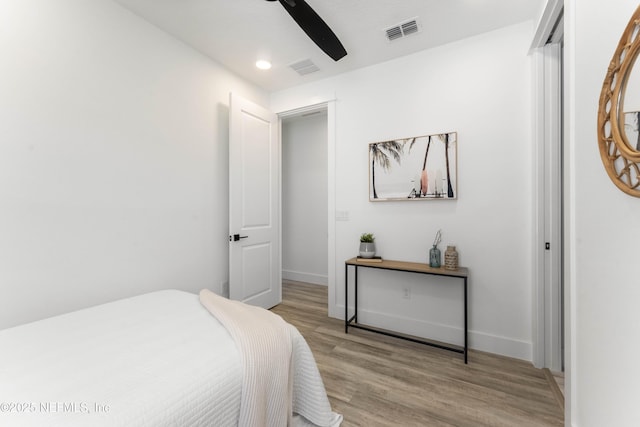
[{"x": 167, "y": 358}]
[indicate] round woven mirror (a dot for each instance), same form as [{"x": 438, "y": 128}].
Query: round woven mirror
[{"x": 619, "y": 112}]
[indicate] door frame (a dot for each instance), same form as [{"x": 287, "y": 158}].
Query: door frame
[{"x": 329, "y": 106}]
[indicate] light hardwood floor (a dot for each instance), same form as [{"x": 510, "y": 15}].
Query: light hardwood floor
[{"x": 374, "y": 380}]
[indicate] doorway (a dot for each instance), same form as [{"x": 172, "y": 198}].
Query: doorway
[{"x": 305, "y": 197}]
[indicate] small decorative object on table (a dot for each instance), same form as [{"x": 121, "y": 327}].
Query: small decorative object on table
[
  {"x": 451, "y": 258},
  {"x": 372, "y": 259},
  {"x": 367, "y": 245},
  {"x": 434, "y": 252}
]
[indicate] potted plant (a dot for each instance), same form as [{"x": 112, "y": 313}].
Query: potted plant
[{"x": 367, "y": 245}]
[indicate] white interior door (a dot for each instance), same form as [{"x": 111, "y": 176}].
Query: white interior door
[
  {"x": 255, "y": 275},
  {"x": 554, "y": 247},
  {"x": 548, "y": 301}
]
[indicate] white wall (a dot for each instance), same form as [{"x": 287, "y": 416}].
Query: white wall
[
  {"x": 113, "y": 159},
  {"x": 304, "y": 198},
  {"x": 481, "y": 88},
  {"x": 605, "y": 226}
]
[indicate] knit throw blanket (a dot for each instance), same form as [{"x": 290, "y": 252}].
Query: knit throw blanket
[
  {"x": 280, "y": 376},
  {"x": 266, "y": 387}
]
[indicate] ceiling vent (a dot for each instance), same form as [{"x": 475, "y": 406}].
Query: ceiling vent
[
  {"x": 306, "y": 66},
  {"x": 402, "y": 30}
]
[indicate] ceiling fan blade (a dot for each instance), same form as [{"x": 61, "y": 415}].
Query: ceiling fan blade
[{"x": 315, "y": 27}]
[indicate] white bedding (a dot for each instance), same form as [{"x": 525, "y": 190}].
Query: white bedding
[{"x": 160, "y": 359}]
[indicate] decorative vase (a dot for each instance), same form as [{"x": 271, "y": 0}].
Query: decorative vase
[
  {"x": 434, "y": 257},
  {"x": 451, "y": 258},
  {"x": 367, "y": 250}
]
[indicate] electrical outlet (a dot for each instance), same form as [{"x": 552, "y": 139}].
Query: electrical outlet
[
  {"x": 406, "y": 293},
  {"x": 225, "y": 289}
]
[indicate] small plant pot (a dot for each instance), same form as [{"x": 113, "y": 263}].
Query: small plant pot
[{"x": 367, "y": 250}]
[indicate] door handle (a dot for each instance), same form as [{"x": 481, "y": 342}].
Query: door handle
[{"x": 236, "y": 237}]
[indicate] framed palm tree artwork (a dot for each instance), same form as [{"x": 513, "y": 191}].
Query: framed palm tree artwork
[{"x": 418, "y": 168}]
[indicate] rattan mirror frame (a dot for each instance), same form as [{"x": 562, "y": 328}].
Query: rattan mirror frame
[{"x": 621, "y": 161}]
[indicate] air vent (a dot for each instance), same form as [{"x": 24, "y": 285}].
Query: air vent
[
  {"x": 306, "y": 66},
  {"x": 402, "y": 30}
]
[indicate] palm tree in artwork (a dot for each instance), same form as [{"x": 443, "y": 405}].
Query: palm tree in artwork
[
  {"x": 446, "y": 139},
  {"x": 424, "y": 180},
  {"x": 382, "y": 153}
]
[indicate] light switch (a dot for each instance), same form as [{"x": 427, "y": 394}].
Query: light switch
[{"x": 342, "y": 215}]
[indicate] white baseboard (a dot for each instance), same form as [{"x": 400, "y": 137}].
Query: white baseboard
[
  {"x": 298, "y": 276},
  {"x": 445, "y": 333}
]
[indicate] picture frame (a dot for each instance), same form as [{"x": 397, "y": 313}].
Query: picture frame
[{"x": 417, "y": 168}]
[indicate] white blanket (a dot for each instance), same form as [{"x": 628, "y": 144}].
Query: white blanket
[
  {"x": 155, "y": 360},
  {"x": 280, "y": 376},
  {"x": 159, "y": 359}
]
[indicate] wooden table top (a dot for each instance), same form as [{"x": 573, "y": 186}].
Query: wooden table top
[{"x": 416, "y": 267}]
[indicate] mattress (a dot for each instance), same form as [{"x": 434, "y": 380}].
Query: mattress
[{"x": 159, "y": 359}]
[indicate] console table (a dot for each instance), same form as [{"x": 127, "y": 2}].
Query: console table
[{"x": 410, "y": 267}]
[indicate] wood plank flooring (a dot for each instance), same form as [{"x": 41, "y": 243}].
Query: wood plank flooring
[{"x": 374, "y": 380}]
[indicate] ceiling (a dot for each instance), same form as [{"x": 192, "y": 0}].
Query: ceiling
[{"x": 236, "y": 33}]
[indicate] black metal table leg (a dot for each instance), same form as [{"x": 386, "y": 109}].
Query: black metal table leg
[
  {"x": 466, "y": 347},
  {"x": 346, "y": 298},
  {"x": 355, "y": 297}
]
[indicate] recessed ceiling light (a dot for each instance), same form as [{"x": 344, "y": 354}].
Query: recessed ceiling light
[{"x": 263, "y": 64}]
